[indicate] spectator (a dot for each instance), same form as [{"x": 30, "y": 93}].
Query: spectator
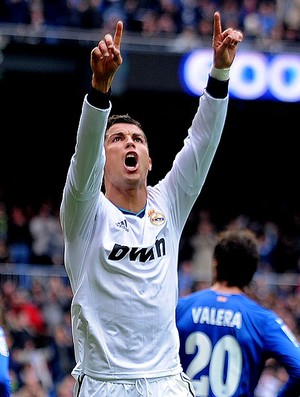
[
  {"x": 47, "y": 240},
  {"x": 4, "y": 252},
  {"x": 65, "y": 388},
  {"x": 203, "y": 243},
  {"x": 19, "y": 237},
  {"x": 3, "y": 221},
  {"x": 34, "y": 361},
  {"x": 31, "y": 385}
]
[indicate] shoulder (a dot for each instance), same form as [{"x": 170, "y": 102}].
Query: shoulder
[
  {"x": 195, "y": 298},
  {"x": 256, "y": 310}
]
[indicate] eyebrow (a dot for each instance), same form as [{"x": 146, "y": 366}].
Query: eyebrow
[{"x": 122, "y": 133}]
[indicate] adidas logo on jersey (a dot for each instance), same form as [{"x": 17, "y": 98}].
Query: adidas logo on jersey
[{"x": 123, "y": 225}]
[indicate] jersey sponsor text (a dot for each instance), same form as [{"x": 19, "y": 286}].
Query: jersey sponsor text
[{"x": 137, "y": 253}]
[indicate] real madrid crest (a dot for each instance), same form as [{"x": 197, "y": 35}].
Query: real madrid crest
[{"x": 156, "y": 218}]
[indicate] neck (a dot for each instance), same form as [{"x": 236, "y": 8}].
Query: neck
[
  {"x": 224, "y": 288},
  {"x": 131, "y": 200}
]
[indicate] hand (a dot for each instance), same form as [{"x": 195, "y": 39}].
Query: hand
[
  {"x": 106, "y": 59},
  {"x": 224, "y": 44}
]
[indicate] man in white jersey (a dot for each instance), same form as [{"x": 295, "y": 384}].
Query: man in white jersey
[{"x": 121, "y": 246}]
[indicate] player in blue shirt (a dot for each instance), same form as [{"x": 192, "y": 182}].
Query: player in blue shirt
[
  {"x": 4, "y": 365},
  {"x": 225, "y": 336}
]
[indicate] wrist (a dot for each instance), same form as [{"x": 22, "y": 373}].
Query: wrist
[
  {"x": 98, "y": 99},
  {"x": 220, "y": 74},
  {"x": 101, "y": 85}
]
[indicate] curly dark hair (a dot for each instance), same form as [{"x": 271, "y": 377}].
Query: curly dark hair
[
  {"x": 237, "y": 257},
  {"x": 122, "y": 118}
]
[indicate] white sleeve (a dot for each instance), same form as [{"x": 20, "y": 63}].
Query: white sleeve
[
  {"x": 85, "y": 174},
  {"x": 191, "y": 165}
]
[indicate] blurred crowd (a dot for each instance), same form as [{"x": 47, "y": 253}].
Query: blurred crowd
[
  {"x": 265, "y": 21},
  {"x": 37, "y": 323},
  {"x": 30, "y": 235},
  {"x": 36, "y": 310}
]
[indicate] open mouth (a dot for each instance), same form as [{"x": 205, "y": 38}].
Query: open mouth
[{"x": 130, "y": 160}]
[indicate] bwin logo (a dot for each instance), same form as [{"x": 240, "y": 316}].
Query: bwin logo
[
  {"x": 123, "y": 225},
  {"x": 138, "y": 253}
]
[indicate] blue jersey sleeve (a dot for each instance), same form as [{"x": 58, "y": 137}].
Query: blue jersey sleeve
[
  {"x": 4, "y": 367},
  {"x": 284, "y": 347}
]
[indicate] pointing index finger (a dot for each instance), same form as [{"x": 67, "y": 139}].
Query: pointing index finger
[
  {"x": 217, "y": 24},
  {"x": 118, "y": 34}
]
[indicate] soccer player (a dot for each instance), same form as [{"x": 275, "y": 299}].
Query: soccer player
[
  {"x": 121, "y": 245},
  {"x": 225, "y": 336},
  {"x": 5, "y": 386}
]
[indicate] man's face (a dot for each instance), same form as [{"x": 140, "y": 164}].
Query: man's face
[{"x": 127, "y": 156}]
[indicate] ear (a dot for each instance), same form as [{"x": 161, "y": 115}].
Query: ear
[
  {"x": 214, "y": 270},
  {"x": 150, "y": 164}
]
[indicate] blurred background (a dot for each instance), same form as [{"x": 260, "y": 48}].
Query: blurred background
[{"x": 253, "y": 182}]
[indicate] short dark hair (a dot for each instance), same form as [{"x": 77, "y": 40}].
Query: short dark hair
[
  {"x": 237, "y": 257},
  {"x": 122, "y": 118}
]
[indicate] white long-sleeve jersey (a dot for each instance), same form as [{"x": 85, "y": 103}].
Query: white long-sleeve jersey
[{"x": 123, "y": 268}]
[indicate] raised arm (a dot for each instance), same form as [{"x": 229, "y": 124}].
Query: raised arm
[{"x": 106, "y": 59}]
